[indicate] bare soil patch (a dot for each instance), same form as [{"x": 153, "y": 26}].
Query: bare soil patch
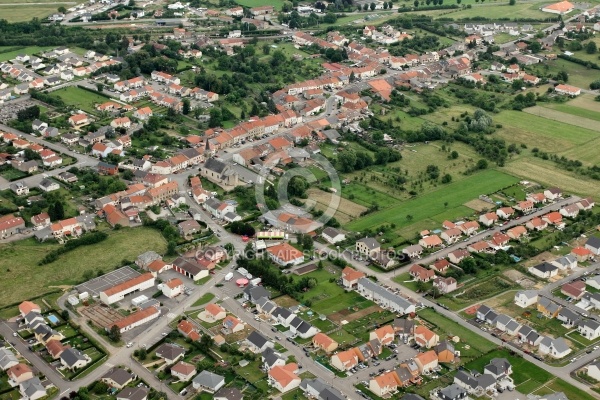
[
  {"x": 346, "y": 211},
  {"x": 345, "y": 314},
  {"x": 478, "y": 205}
]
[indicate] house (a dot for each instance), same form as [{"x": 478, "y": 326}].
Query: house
[
  {"x": 189, "y": 227},
  {"x": 257, "y": 343},
  {"x": 548, "y": 308},
  {"x": 285, "y": 255},
  {"x": 505, "y": 212},
  {"x": 537, "y": 224},
  {"x": 117, "y": 378},
  {"x": 593, "y": 245},
  {"x": 425, "y": 337},
  {"x": 498, "y": 368},
  {"x": 106, "y": 168},
  {"x": 19, "y": 188},
  {"x": 589, "y": 329},
  {"x": 183, "y": 371},
  {"x": 74, "y": 359},
  {"x": 526, "y": 298},
  {"x": 232, "y": 325},
  {"x": 7, "y": 359},
  {"x": 332, "y": 235},
  {"x": 457, "y": 256},
  {"x": 187, "y": 329},
  {"x": 452, "y": 392},
  {"x": 575, "y": 289},
  {"x": 10, "y": 225},
  {"x": 32, "y": 389},
  {"x": 170, "y": 352},
  {"x": 517, "y": 232},
  {"x": 118, "y": 292},
  {"x": 173, "y": 288},
  {"x": 19, "y": 373},
  {"x": 384, "y": 385},
  {"x": 427, "y": 361},
  {"x": 323, "y": 342},
  {"x": 475, "y": 384},
  {"x": 555, "y": 348},
  {"x": 431, "y": 241},
  {"x": 284, "y": 378},
  {"x": 445, "y": 352},
  {"x": 212, "y": 313},
  {"x": 568, "y": 317},
  {"x": 451, "y": 235},
  {"x": 581, "y": 253},
  {"x": 570, "y": 211},
  {"x": 420, "y": 273},
  {"x": 445, "y": 285},
  {"x": 384, "y": 334},
  {"x": 133, "y": 393},
  {"x": 404, "y": 328},
  {"x": 78, "y": 119},
  {"x": 228, "y": 393},
  {"x": 350, "y": 277},
  {"x": 207, "y": 381},
  {"x": 440, "y": 266},
  {"x": 469, "y": 227},
  {"x": 27, "y": 306},
  {"x": 593, "y": 282},
  {"x": 48, "y": 185},
  {"x": 413, "y": 251},
  {"x": 488, "y": 219},
  {"x": 254, "y": 293},
  {"x": 593, "y": 370},
  {"x": 368, "y": 246},
  {"x": 345, "y": 360},
  {"x": 190, "y": 268},
  {"x": 562, "y": 8},
  {"x": 383, "y": 297},
  {"x": 567, "y": 90},
  {"x": 544, "y": 270}
]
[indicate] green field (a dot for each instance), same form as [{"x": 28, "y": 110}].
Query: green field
[
  {"x": 26, "y": 12},
  {"x": 528, "y": 376},
  {"x": 8, "y": 53},
  {"x": 579, "y": 75},
  {"x": 80, "y": 98},
  {"x": 431, "y": 204},
  {"x": 21, "y": 277},
  {"x": 257, "y": 3},
  {"x": 573, "y": 110}
]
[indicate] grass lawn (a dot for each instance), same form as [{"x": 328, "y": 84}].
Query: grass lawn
[
  {"x": 574, "y": 110},
  {"x": 21, "y": 277},
  {"x": 80, "y": 98},
  {"x": 504, "y": 10},
  {"x": 431, "y": 204},
  {"x": 328, "y": 297},
  {"x": 10, "y": 52},
  {"x": 579, "y": 75},
  {"x": 204, "y": 299},
  {"x": 25, "y": 12}
]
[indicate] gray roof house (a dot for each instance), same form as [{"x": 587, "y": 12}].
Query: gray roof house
[
  {"x": 498, "y": 368},
  {"x": 593, "y": 244},
  {"x": 568, "y": 317},
  {"x": 208, "y": 382},
  {"x": 170, "y": 352},
  {"x": 32, "y": 389},
  {"x": 7, "y": 359},
  {"x": 452, "y": 392},
  {"x": 229, "y": 393},
  {"x": 257, "y": 343},
  {"x": 383, "y": 297},
  {"x": 555, "y": 396},
  {"x": 117, "y": 377},
  {"x": 253, "y": 293},
  {"x": 72, "y": 358},
  {"x": 474, "y": 384}
]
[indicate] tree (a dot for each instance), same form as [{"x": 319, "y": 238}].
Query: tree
[
  {"x": 512, "y": 2},
  {"x": 65, "y": 315},
  {"x": 372, "y": 6},
  {"x": 56, "y": 211},
  {"x": 447, "y": 178},
  {"x": 454, "y": 155},
  {"x": 416, "y": 3},
  {"x": 409, "y": 217},
  {"x": 365, "y": 7},
  {"x": 562, "y": 76},
  {"x": 186, "y": 107},
  {"x": 215, "y": 118},
  {"x": 99, "y": 87},
  {"x": 591, "y": 47},
  {"x": 385, "y": 5},
  {"x": 62, "y": 10},
  {"x": 482, "y": 164},
  {"x": 171, "y": 248},
  {"x": 114, "y": 334},
  {"x": 458, "y": 1},
  {"x": 307, "y": 242},
  {"x": 352, "y": 76},
  {"x": 142, "y": 354},
  {"x": 266, "y": 49}
]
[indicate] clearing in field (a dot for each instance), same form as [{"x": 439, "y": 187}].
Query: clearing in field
[
  {"x": 443, "y": 200},
  {"x": 21, "y": 277},
  {"x": 80, "y": 98},
  {"x": 346, "y": 211},
  {"x": 576, "y": 116},
  {"x": 478, "y": 205}
]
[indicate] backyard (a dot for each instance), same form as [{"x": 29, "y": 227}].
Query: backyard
[{"x": 80, "y": 98}]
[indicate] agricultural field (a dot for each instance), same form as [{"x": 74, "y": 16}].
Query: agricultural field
[
  {"x": 20, "y": 262},
  {"x": 579, "y": 75},
  {"x": 346, "y": 211},
  {"x": 257, "y": 3},
  {"x": 576, "y": 116},
  {"x": 438, "y": 204},
  {"x": 19, "y": 12},
  {"x": 80, "y": 98},
  {"x": 575, "y": 111}
]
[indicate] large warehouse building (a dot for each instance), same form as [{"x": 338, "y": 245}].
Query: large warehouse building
[{"x": 118, "y": 292}]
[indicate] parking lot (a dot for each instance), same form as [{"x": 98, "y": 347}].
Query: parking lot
[
  {"x": 401, "y": 353},
  {"x": 97, "y": 285}
]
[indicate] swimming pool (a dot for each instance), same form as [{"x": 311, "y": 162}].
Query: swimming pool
[{"x": 52, "y": 318}]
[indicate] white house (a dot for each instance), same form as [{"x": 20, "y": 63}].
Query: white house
[
  {"x": 526, "y": 298},
  {"x": 589, "y": 329},
  {"x": 332, "y": 235}
]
